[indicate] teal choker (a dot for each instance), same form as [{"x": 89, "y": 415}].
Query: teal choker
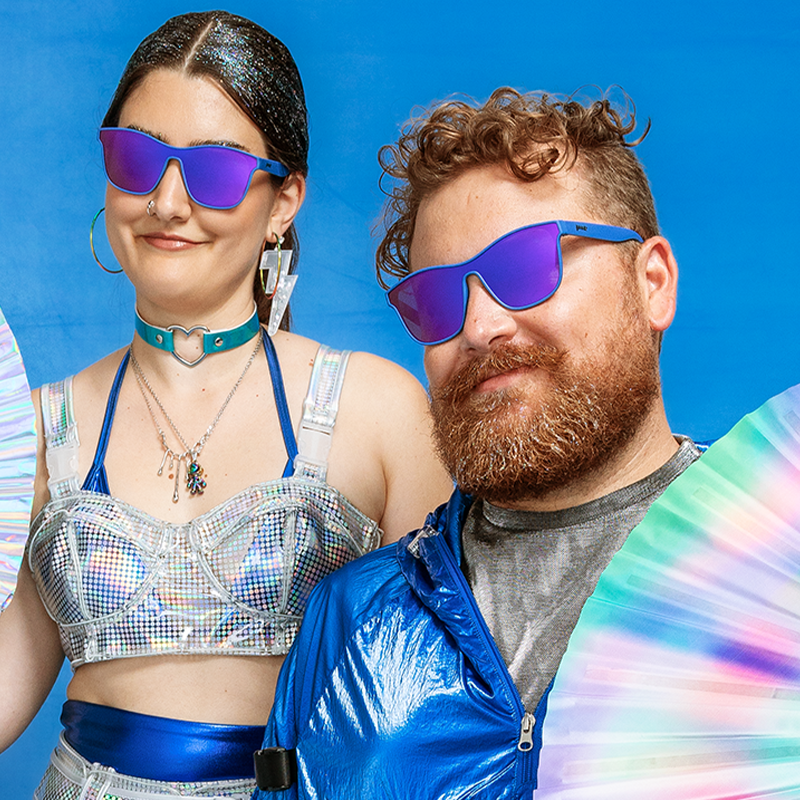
[{"x": 213, "y": 341}]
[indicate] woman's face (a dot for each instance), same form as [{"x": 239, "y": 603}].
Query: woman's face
[{"x": 186, "y": 259}]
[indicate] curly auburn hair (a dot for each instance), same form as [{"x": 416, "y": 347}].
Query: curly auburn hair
[{"x": 532, "y": 135}]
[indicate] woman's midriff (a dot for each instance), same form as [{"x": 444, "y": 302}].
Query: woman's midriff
[{"x": 232, "y": 690}]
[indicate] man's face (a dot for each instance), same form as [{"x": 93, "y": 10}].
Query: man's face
[{"x": 527, "y": 401}]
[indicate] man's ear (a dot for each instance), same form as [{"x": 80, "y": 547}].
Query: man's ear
[
  {"x": 658, "y": 269},
  {"x": 288, "y": 199}
]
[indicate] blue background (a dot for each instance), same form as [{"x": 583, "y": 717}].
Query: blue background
[{"x": 718, "y": 80}]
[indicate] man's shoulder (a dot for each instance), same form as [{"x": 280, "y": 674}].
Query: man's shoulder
[
  {"x": 370, "y": 567},
  {"x": 377, "y": 581},
  {"x": 362, "y": 583},
  {"x": 370, "y": 572}
]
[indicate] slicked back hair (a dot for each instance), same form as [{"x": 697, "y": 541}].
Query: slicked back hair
[{"x": 257, "y": 72}]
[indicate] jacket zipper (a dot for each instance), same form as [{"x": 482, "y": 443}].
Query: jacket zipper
[
  {"x": 525, "y": 742},
  {"x": 525, "y": 745}
]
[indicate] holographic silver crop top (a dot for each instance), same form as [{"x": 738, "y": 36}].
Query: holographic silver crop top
[{"x": 235, "y": 581}]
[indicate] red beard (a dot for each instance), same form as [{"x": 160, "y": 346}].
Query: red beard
[{"x": 505, "y": 446}]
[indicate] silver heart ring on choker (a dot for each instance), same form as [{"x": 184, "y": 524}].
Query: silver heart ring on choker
[{"x": 213, "y": 341}]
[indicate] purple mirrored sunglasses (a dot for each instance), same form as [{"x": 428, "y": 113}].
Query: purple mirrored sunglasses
[
  {"x": 520, "y": 270},
  {"x": 215, "y": 176}
]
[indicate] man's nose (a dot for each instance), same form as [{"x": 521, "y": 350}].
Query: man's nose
[{"x": 487, "y": 323}]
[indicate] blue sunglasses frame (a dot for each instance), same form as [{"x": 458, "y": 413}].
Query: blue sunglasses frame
[
  {"x": 177, "y": 154},
  {"x": 589, "y": 230}
]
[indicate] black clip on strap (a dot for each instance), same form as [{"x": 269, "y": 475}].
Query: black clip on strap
[{"x": 276, "y": 768}]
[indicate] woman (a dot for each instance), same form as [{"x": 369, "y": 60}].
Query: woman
[{"x": 176, "y": 536}]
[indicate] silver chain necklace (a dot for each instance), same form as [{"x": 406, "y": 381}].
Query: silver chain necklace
[{"x": 195, "y": 482}]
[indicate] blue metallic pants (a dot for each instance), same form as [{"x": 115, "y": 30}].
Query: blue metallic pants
[{"x": 109, "y": 754}]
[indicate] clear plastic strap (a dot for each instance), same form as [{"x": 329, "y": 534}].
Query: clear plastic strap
[
  {"x": 320, "y": 408},
  {"x": 61, "y": 438}
]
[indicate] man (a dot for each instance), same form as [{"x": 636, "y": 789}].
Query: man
[{"x": 534, "y": 273}]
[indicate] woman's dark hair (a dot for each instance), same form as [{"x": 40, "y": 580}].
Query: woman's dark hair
[{"x": 254, "y": 68}]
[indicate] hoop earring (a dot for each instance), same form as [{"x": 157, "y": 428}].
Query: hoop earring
[
  {"x": 279, "y": 284},
  {"x": 91, "y": 244}
]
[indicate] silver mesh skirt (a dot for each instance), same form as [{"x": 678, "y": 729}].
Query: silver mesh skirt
[{"x": 71, "y": 777}]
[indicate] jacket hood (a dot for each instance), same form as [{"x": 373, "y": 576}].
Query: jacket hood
[{"x": 430, "y": 563}]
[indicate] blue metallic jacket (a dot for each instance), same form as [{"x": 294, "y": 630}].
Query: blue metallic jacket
[{"x": 395, "y": 688}]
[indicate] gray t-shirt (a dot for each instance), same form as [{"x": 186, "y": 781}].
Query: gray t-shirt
[{"x": 531, "y": 572}]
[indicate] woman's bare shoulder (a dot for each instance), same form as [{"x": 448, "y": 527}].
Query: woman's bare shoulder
[
  {"x": 383, "y": 381},
  {"x": 294, "y": 349},
  {"x": 91, "y": 385},
  {"x": 385, "y": 405},
  {"x": 99, "y": 376},
  {"x": 90, "y": 388},
  {"x": 386, "y": 410}
]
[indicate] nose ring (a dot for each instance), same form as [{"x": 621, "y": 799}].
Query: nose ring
[{"x": 150, "y": 207}]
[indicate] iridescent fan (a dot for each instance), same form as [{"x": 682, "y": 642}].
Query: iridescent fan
[
  {"x": 17, "y": 460},
  {"x": 682, "y": 678}
]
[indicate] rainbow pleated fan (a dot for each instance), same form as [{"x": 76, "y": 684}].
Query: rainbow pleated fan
[
  {"x": 17, "y": 460},
  {"x": 682, "y": 677}
]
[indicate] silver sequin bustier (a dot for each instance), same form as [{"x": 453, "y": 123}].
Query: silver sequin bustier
[
  {"x": 235, "y": 581},
  {"x": 120, "y": 583}
]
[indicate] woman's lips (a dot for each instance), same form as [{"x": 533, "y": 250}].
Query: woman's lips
[{"x": 167, "y": 241}]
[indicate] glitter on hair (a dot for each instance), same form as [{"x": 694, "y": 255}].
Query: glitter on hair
[{"x": 254, "y": 68}]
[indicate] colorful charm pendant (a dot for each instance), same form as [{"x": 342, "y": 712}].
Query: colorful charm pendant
[{"x": 194, "y": 478}]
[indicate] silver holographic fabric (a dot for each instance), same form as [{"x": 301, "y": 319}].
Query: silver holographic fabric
[
  {"x": 71, "y": 777},
  {"x": 120, "y": 583}
]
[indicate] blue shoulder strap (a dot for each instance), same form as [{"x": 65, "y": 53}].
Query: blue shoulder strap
[
  {"x": 280, "y": 402},
  {"x": 97, "y": 480}
]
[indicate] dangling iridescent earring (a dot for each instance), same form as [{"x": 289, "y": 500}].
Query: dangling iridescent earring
[
  {"x": 277, "y": 284},
  {"x": 91, "y": 244}
]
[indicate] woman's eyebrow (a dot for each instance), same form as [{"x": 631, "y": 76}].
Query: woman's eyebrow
[
  {"x": 196, "y": 142},
  {"x": 149, "y": 133},
  {"x": 220, "y": 143}
]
